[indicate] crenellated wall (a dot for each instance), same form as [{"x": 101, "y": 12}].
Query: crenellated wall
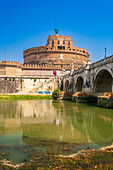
[
  {"x": 18, "y": 78},
  {"x": 16, "y": 69},
  {"x": 58, "y": 50},
  {"x": 51, "y": 66},
  {"x": 10, "y": 68},
  {"x": 39, "y": 63}
]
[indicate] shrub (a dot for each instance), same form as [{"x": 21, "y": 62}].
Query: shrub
[
  {"x": 91, "y": 99},
  {"x": 56, "y": 93},
  {"x": 35, "y": 79},
  {"x": 73, "y": 99}
]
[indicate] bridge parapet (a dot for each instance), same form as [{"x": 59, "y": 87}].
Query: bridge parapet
[
  {"x": 79, "y": 70},
  {"x": 102, "y": 62}
]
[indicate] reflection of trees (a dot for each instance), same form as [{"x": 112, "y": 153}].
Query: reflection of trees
[
  {"x": 94, "y": 122},
  {"x": 79, "y": 117},
  {"x": 104, "y": 126},
  {"x": 9, "y": 109},
  {"x": 57, "y": 121}
]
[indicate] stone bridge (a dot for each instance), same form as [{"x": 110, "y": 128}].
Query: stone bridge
[{"x": 94, "y": 78}]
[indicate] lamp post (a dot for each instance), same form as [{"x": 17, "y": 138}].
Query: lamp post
[{"x": 105, "y": 52}]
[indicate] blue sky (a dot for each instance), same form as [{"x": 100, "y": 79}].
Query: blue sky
[{"x": 27, "y": 23}]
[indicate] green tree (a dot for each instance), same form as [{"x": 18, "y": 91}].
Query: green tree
[{"x": 56, "y": 93}]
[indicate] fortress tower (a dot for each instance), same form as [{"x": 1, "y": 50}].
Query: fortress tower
[
  {"x": 59, "y": 50},
  {"x": 41, "y": 64}
]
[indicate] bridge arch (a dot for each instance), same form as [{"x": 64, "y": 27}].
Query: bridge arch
[
  {"x": 103, "y": 68},
  {"x": 66, "y": 85},
  {"x": 79, "y": 83},
  {"x": 103, "y": 80}
]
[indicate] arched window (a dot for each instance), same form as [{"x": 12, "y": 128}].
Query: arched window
[
  {"x": 58, "y": 42},
  {"x": 52, "y": 43},
  {"x": 68, "y": 44}
]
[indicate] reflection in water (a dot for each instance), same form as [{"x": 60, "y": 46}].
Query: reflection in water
[{"x": 56, "y": 127}]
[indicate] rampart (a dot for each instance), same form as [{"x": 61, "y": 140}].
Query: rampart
[
  {"x": 8, "y": 68},
  {"x": 16, "y": 69},
  {"x": 47, "y": 67}
]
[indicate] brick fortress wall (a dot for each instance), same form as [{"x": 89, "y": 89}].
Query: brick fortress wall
[
  {"x": 39, "y": 63},
  {"x": 16, "y": 77},
  {"x": 10, "y": 85},
  {"x": 59, "y": 50}
]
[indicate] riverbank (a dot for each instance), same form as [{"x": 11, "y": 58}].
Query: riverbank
[
  {"x": 88, "y": 160},
  {"x": 24, "y": 97}
]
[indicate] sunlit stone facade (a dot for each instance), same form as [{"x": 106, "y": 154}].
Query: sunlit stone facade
[
  {"x": 59, "y": 50},
  {"x": 37, "y": 72}
]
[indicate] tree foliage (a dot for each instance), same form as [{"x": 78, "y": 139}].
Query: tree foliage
[{"x": 56, "y": 93}]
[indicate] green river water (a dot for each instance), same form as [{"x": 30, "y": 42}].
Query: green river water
[{"x": 52, "y": 127}]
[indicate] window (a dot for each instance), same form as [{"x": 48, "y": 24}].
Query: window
[
  {"x": 58, "y": 42},
  {"x": 52, "y": 43},
  {"x": 61, "y": 47},
  {"x": 68, "y": 44},
  {"x": 63, "y": 42}
]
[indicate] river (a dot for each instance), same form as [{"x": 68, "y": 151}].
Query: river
[{"x": 52, "y": 127}]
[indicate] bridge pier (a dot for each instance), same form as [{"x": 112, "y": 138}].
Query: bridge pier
[
  {"x": 86, "y": 89},
  {"x": 96, "y": 78},
  {"x": 112, "y": 85}
]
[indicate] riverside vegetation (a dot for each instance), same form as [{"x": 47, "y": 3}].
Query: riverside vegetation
[
  {"x": 56, "y": 93},
  {"x": 24, "y": 97},
  {"x": 91, "y": 159}
]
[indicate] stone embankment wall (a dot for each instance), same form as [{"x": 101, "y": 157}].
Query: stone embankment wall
[
  {"x": 34, "y": 85},
  {"x": 27, "y": 85},
  {"x": 10, "y": 85},
  {"x": 18, "y": 78}
]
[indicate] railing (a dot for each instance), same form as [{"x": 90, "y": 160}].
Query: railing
[{"x": 102, "y": 62}]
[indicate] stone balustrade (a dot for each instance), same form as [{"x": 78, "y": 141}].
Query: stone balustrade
[{"x": 102, "y": 62}]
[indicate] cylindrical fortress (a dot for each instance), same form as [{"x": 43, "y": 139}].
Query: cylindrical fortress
[{"x": 59, "y": 50}]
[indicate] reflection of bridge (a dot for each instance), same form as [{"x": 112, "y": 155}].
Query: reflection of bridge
[
  {"x": 93, "y": 78},
  {"x": 94, "y": 123},
  {"x": 58, "y": 126}
]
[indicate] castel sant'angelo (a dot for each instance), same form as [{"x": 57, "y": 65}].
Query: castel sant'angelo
[
  {"x": 37, "y": 72},
  {"x": 59, "y": 51}
]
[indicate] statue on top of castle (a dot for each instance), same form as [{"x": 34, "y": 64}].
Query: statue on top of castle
[{"x": 56, "y": 31}]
